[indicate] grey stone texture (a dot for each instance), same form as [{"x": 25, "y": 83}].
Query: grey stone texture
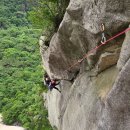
[
  {"x": 95, "y": 94},
  {"x": 79, "y": 32},
  {"x": 125, "y": 51}
]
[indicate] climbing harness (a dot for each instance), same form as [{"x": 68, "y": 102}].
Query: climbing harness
[{"x": 96, "y": 48}]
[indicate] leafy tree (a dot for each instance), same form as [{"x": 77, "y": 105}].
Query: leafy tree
[{"x": 48, "y": 13}]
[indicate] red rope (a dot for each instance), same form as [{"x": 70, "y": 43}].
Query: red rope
[{"x": 86, "y": 55}]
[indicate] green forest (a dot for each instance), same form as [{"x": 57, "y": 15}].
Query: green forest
[{"x": 21, "y": 70}]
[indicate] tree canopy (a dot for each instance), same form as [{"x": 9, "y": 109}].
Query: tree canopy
[
  {"x": 47, "y": 13},
  {"x": 21, "y": 72}
]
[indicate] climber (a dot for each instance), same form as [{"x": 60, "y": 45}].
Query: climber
[
  {"x": 52, "y": 85},
  {"x": 103, "y": 40},
  {"x": 47, "y": 80}
]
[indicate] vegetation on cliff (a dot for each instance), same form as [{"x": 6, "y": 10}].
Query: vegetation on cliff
[{"x": 47, "y": 15}]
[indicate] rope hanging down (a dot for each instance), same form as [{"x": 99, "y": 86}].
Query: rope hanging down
[{"x": 86, "y": 55}]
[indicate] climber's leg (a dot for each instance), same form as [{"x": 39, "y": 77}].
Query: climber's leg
[{"x": 57, "y": 89}]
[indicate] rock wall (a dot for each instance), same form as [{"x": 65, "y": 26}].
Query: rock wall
[
  {"x": 7, "y": 127},
  {"x": 94, "y": 93}
]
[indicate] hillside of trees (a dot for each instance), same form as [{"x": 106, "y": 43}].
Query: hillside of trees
[{"x": 21, "y": 71}]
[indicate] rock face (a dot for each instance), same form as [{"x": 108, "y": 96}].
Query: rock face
[
  {"x": 56, "y": 103},
  {"x": 125, "y": 51},
  {"x": 116, "y": 114},
  {"x": 79, "y": 32},
  {"x": 6, "y": 127},
  {"x": 95, "y": 94}
]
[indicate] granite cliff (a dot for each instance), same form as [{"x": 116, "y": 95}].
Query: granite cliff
[{"x": 96, "y": 92}]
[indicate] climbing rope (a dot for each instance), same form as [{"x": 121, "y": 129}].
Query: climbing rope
[{"x": 97, "y": 47}]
